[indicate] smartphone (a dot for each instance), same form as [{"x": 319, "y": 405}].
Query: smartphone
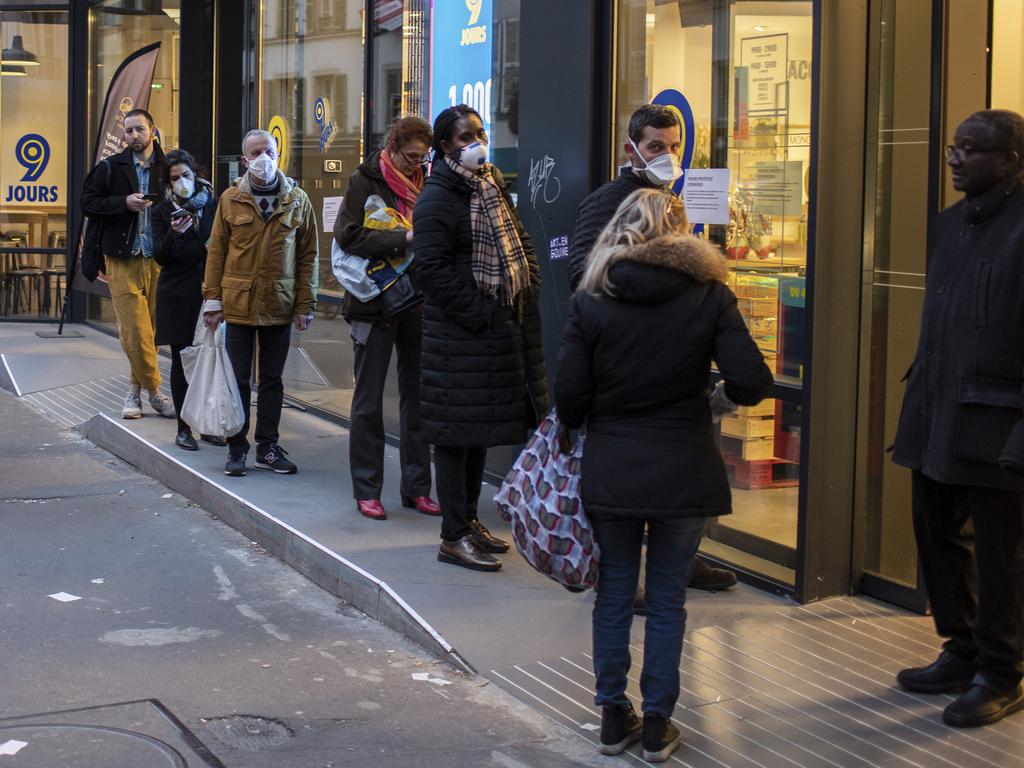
[
  {"x": 153, "y": 197},
  {"x": 179, "y": 213}
]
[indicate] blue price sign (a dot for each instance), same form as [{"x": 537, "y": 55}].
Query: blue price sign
[{"x": 460, "y": 56}]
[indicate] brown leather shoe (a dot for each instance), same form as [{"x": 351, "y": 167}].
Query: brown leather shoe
[
  {"x": 422, "y": 504},
  {"x": 371, "y": 508},
  {"x": 486, "y": 540},
  {"x": 466, "y": 553}
]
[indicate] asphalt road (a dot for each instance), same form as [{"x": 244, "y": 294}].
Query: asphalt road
[{"x": 188, "y": 642}]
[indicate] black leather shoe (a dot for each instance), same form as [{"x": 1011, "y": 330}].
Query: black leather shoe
[
  {"x": 660, "y": 738},
  {"x": 218, "y": 441},
  {"x": 712, "y": 579},
  {"x": 186, "y": 441},
  {"x": 981, "y": 706},
  {"x": 487, "y": 541},
  {"x": 466, "y": 553},
  {"x": 620, "y": 727},
  {"x": 947, "y": 673}
]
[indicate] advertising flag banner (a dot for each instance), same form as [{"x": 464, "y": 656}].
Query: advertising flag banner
[{"x": 129, "y": 89}]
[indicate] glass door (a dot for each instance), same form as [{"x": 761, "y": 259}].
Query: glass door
[{"x": 739, "y": 75}]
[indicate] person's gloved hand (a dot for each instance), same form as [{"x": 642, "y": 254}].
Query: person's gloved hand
[{"x": 721, "y": 405}]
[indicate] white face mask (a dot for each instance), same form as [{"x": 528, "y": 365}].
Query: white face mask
[
  {"x": 661, "y": 170},
  {"x": 263, "y": 167},
  {"x": 474, "y": 156},
  {"x": 184, "y": 188}
]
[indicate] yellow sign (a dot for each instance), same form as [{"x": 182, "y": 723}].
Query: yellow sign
[
  {"x": 474, "y": 6},
  {"x": 278, "y": 128}
]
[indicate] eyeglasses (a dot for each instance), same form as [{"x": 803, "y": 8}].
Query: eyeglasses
[
  {"x": 417, "y": 160},
  {"x": 965, "y": 153}
]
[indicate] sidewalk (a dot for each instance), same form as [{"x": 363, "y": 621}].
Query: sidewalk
[{"x": 765, "y": 682}]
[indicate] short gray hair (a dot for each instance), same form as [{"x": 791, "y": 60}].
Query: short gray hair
[{"x": 262, "y": 134}]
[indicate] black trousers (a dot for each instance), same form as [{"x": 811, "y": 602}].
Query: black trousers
[
  {"x": 274, "y": 341},
  {"x": 179, "y": 384},
  {"x": 460, "y": 472},
  {"x": 970, "y": 542},
  {"x": 366, "y": 439}
]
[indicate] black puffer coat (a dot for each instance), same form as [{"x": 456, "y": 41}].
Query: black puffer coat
[
  {"x": 182, "y": 260},
  {"x": 483, "y": 381},
  {"x": 636, "y": 369}
]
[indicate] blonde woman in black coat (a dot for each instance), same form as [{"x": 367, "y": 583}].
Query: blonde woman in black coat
[{"x": 651, "y": 315}]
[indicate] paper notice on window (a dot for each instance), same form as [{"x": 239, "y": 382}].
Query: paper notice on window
[
  {"x": 332, "y": 205},
  {"x": 706, "y": 195}
]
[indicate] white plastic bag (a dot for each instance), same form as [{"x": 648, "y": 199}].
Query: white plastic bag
[
  {"x": 350, "y": 271},
  {"x": 212, "y": 405}
]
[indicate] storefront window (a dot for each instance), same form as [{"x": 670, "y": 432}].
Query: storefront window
[
  {"x": 745, "y": 109},
  {"x": 33, "y": 161},
  {"x": 118, "y": 29},
  {"x": 424, "y": 57}
]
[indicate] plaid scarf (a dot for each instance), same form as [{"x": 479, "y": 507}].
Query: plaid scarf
[{"x": 499, "y": 262}]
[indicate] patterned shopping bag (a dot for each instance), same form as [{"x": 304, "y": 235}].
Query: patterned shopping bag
[{"x": 541, "y": 498}]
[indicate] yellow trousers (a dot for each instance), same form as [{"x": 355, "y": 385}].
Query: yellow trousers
[{"x": 132, "y": 284}]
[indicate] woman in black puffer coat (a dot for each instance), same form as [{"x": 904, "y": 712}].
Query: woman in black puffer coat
[
  {"x": 482, "y": 381},
  {"x": 651, "y": 315}
]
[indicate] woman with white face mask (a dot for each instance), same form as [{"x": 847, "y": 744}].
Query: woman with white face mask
[
  {"x": 482, "y": 365},
  {"x": 181, "y": 225}
]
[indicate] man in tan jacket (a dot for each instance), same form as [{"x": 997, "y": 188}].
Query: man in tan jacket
[{"x": 261, "y": 278}]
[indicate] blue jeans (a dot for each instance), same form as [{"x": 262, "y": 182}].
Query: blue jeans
[{"x": 671, "y": 547}]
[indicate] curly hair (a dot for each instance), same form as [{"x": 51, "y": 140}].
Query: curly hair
[{"x": 405, "y": 130}]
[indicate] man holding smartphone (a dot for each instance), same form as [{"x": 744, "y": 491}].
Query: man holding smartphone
[{"x": 119, "y": 193}]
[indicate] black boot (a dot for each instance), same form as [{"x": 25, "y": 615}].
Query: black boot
[
  {"x": 186, "y": 440},
  {"x": 704, "y": 576},
  {"x": 947, "y": 673},
  {"x": 620, "y": 727},
  {"x": 661, "y": 738}
]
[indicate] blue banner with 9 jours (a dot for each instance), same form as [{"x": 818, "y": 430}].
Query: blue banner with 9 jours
[{"x": 460, "y": 55}]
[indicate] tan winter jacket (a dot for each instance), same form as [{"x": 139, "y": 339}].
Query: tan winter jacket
[{"x": 264, "y": 273}]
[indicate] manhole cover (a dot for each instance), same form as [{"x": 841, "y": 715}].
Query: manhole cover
[
  {"x": 86, "y": 746},
  {"x": 249, "y": 732}
]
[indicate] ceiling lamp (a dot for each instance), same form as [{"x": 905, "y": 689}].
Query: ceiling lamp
[
  {"x": 18, "y": 56},
  {"x": 9, "y": 70}
]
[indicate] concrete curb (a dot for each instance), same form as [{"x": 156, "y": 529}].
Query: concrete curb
[{"x": 316, "y": 562}]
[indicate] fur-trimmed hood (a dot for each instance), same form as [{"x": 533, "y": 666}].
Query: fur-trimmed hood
[{"x": 659, "y": 269}]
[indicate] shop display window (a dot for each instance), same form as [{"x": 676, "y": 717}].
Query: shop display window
[
  {"x": 744, "y": 102},
  {"x": 33, "y": 161}
]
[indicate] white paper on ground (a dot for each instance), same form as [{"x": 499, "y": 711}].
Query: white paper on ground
[
  {"x": 64, "y": 597},
  {"x": 427, "y": 677},
  {"x": 167, "y": 496},
  {"x": 98, "y": 581},
  {"x": 591, "y": 727},
  {"x": 12, "y": 747}
]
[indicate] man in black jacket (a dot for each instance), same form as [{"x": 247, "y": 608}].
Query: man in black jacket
[
  {"x": 653, "y": 146},
  {"x": 961, "y": 429},
  {"x": 114, "y": 195}
]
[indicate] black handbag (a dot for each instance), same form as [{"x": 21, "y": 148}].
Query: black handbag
[
  {"x": 399, "y": 296},
  {"x": 91, "y": 258}
]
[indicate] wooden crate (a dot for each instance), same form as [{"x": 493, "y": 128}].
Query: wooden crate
[
  {"x": 751, "y": 449},
  {"x": 758, "y": 307},
  {"x": 746, "y": 427},
  {"x": 764, "y": 408}
]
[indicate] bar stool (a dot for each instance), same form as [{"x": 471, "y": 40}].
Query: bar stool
[
  {"x": 24, "y": 271},
  {"x": 56, "y": 272}
]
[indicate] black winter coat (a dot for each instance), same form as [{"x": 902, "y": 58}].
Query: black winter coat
[
  {"x": 182, "y": 260},
  {"x": 483, "y": 381},
  {"x": 961, "y": 421},
  {"x": 104, "y": 193},
  {"x": 636, "y": 368},
  {"x": 593, "y": 215},
  {"x": 367, "y": 243}
]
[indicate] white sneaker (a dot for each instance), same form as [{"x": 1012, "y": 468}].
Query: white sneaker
[
  {"x": 132, "y": 408},
  {"x": 163, "y": 405}
]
